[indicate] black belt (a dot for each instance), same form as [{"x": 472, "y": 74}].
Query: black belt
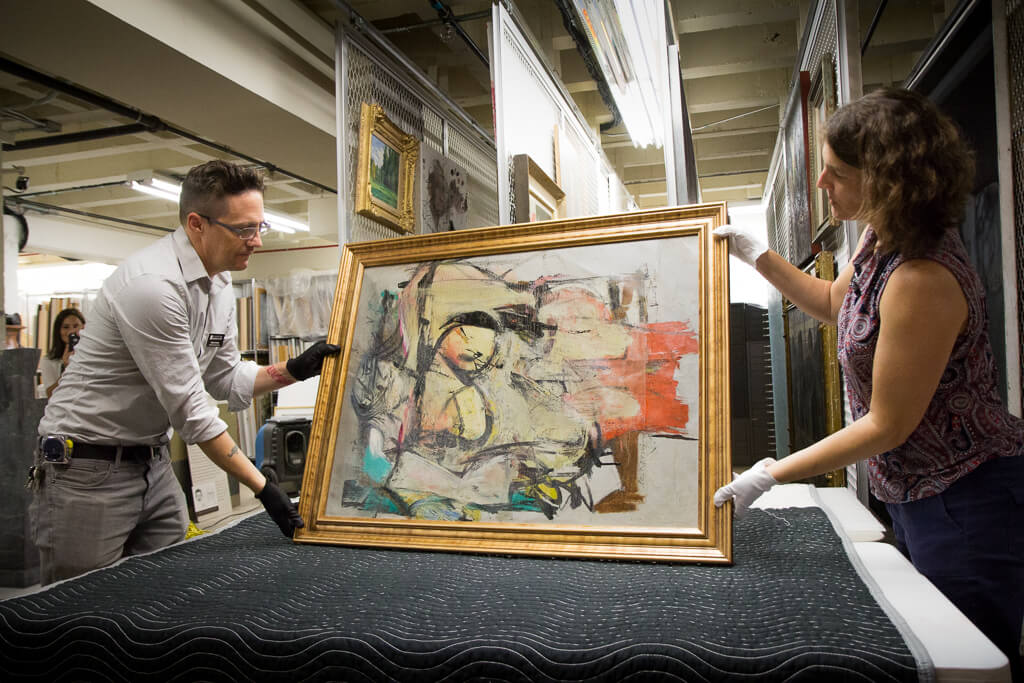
[{"x": 128, "y": 453}]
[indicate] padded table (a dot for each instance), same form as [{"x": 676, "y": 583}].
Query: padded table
[
  {"x": 957, "y": 649},
  {"x": 801, "y": 602}
]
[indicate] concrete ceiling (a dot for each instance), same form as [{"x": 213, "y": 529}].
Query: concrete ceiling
[{"x": 203, "y": 71}]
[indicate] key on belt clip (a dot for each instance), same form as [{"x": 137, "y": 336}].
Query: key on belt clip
[{"x": 56, "y": 448}]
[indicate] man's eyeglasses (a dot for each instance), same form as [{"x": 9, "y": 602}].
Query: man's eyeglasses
[{"x": 246, "y": 233}]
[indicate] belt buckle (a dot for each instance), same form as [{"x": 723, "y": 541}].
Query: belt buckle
[{"x": 56, "y": 448}]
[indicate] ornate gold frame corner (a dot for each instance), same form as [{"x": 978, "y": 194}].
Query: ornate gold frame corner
[{"x": 373, "y": 122}]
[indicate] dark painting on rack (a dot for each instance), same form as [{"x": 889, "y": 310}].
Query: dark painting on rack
[{"x": 798, "y": 188}]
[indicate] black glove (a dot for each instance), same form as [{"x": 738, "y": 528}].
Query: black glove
[
  {"x": 280, "y": 507},
  {"x": 308, "y": 363}
]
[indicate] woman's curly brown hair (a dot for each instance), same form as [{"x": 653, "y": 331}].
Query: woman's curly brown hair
[{"x": 917, "y": 170}]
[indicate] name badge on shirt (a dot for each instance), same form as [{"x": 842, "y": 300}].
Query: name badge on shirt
[{"x": 215, "y": 340}]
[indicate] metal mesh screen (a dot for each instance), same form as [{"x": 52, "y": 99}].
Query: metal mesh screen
[
  {"x": 778, "y": 213},
  {"x": 481, "y": 165},
  {"x": 369, "y": 80},
  {"x": 784, "y": 211},
  {"x": 1015, "y": 58},
  {"x": 433, "y": 130},
  {"x": 524, "y": 125},
  {"x": 781, "y": 218},
  {"x": 538, "y": 112},
  {"x": 533, "y": 114},
  {"x": 824, "y": 41},
  {"x": 581, "y": 174}
]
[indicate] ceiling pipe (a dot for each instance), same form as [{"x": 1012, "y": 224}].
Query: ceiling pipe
[
  {"x": 445, "y": 14},
  {"x": 150, "y": 122},
  {"x": 62, "y": 190},
  {"x": 482, "y": 14},
  {"x": 50, "y": 208},
  {"x": 80, "y": 136},
  {"x": 92, "y": 98},
  {"x": 579, "y": 36},
  {"x": 874, "y": 24}
]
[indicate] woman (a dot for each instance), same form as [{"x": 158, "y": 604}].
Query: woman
[
  {"x": 942, "y": 451},
  {"x": 69, "y": 321}
]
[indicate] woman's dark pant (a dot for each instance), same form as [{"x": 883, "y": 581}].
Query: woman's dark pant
[{"x": 969, "y": 541}]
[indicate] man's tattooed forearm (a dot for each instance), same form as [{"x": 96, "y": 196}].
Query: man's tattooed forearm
[
  {"x": 275, "y": 374},
  {"x": 234, "y": 449}
]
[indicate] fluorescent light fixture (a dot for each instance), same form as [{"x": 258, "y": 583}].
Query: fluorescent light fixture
[
  {"x": 628, "y": 39},
  {"x": 158, "y": 188},
  {"x": 164, "y": 189},
  {"x": 285, "y": 223}
]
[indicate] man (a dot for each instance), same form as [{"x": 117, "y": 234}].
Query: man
[{"x": 161, "y": 334}]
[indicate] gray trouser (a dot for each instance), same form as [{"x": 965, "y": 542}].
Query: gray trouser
[{"x": 90, "y": 513}]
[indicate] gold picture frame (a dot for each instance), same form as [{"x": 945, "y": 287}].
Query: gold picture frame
[
  {"x": 823, "y": 103},
  {"x": 486, "y": 396},
  {"x": 814, "y": 378},
  {"x": 386, "y": 170},
  {"x": 536, "y": 196},
  {"x": 825, "y": 268}
]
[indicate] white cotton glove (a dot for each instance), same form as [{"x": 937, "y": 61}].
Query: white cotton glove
[
  {"x": 742, "y": 244},
  {"x": 746, "y": 488}
]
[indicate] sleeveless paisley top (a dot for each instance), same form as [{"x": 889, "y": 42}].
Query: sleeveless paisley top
[{"x": 966, "y": 423}]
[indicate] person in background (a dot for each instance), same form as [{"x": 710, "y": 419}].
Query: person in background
[
  {"x": 943, "y": 453},
  {"x": 162, "y": 334},
  {"x": 68, "y": 322}
]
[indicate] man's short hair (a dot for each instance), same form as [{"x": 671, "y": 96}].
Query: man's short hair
[{"x": 206, "y": 185}]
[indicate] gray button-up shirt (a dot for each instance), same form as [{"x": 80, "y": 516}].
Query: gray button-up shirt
[{"x": 161, "y": 334}]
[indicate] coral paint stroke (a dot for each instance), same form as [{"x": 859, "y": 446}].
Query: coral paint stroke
[{"x": 647, "y": 374}]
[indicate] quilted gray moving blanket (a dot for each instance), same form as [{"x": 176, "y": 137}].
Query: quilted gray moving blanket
[{"x": 245, "y": 605}]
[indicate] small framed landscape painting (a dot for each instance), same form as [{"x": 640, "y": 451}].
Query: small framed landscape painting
[{"x": 385, "y": 171}]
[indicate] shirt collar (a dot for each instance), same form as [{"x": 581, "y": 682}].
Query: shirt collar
[{"x": 192, "y": 267}]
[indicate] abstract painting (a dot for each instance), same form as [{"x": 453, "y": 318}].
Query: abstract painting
[
  {"x": 444, "y": 193},
  {"x": 554, "y": 388}
]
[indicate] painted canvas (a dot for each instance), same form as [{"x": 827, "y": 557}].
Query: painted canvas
[
  {"x": 551, "y": 376},
  {"x": 524, "y": 387},
  {"x": 798, "y": 185},
  {"x": 444, "y": 192},
  {"x": 384, "y": 172}
]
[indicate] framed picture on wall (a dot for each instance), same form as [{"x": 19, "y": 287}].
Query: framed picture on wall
[
  {"x": 444, "y": 192},
  {"x": 798, "y": 187},
  {"x": 556, "y": 388},
  {"x": 815, "y": 399},
  {"x": 536, "y": 196},
  {"x": 821, "y": 107},
  {"x": 385, "y": 171}
]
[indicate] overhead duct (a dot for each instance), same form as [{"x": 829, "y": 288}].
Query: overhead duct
[
  {"x": 81, "y": 136},
  {"x": 22, "y": 229},
  {"x": 572, "y": 24}
]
